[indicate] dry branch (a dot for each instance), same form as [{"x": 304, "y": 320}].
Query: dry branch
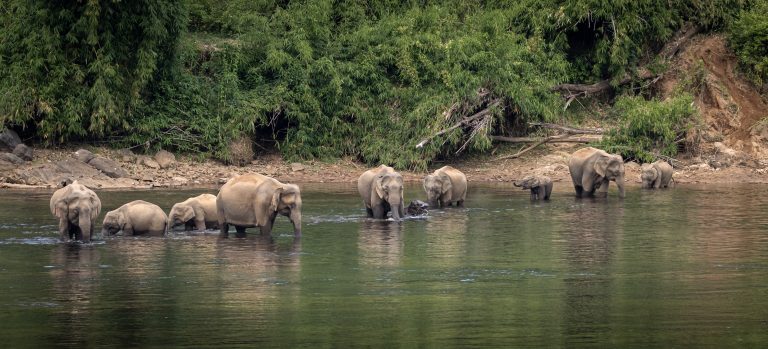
[
  {"x": 540, "y": 142},
  {"x": 465, "y": 121},
  {"x": 569, "y": 130},
  {"x": 532, "y": 140}
]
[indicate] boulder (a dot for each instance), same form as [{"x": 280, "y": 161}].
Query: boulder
[
  {"x": 126, "y": 155},
  {"x": 9, "y": 140},
  {"x": 23, "y": 151},
  {"x": 12, "y": 158},
  {"x": 179, "y": 181},
  {"x": 6, "y": 165},
  {"x": 55, "y": 172},
  {"x": 296, "y": 167},
  {"x": 84, "y": 155},
  {"x": 109, "y": 167},
  {"x": 149, "y": 162},
  {"x": 165, "y": 159}
]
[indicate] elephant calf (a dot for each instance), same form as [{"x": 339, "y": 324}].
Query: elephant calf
[
  {"x": 445, "y": 186},
  {"x": 135, "y": 218},
  {"x": 540, "y": 186},
  {"x": 198, "y": 213},
  {"x": 656, "y": 175},
  {"x": 76, "y": 207}
]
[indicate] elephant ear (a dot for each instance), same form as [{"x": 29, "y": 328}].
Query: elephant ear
[
  {"x": 535, "y": 182},
  {"x": 187, "y": 213},
  {"x": 446, "y": 182},
  {"x": 275, "y": 199},
  {"x": 378, "y": 185},
  {"x": 95, "y": 206},
  {"x": 601, "y": 165}
]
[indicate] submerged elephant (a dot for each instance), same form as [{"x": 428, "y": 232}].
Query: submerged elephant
[
  {"x": 135, "y": 218},
  {"x": 540, "y": 186},
  {"x": 417, "y": 208},
  {"x": 592, "y": 169},
  {"x": 254, "y": 200},
  {"x": 77, "y": 207},
  {"x": 656, "y": 175},
  {"x": 382, "y": 191},
  {"x": 444, "y": 186},
  {"x": 198, "y": 213}
]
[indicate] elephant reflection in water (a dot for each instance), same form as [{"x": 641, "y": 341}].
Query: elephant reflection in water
[
  {"x": 75, "y": 276},
  {"x": 590, "y": 253},
  {"x": 380, "y": 242},
  {"x": 447, "y": 236},
  {"x": 254, "y": 271}
]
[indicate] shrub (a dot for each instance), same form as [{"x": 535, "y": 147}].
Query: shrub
[
  {"x": 649, "y": 128},
  {"x": 748, "y": 37}
]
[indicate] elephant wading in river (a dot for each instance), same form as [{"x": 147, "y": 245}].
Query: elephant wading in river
[
  {"x": 445, "y": 186},
  {"x": 540, "y": 186},
  {"x": 592, "y": 169},
  {"x": 77, "y": 207},
  {"x": 198, "y": 213},
  {"x": 254, "y": 200},
  {"x": 382, "y": 191},
  {"x": 135, "y": 218},
  {"x": 656, "y": 175}
]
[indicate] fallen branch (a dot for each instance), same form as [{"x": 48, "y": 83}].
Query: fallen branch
[
  {"x": 462, "y": 122},
  {"x": 532, "y": 140},
  {"x": 540, "y": 142},
  {"x": 568, "y": 130}
]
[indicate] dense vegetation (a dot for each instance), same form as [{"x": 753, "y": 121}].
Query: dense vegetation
[
  {"x": 323, "y": 78},
  {"x": 749, "y": 38}
]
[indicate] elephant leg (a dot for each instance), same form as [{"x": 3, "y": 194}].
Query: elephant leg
[
  {"x": 533, "y": 194},
  {"x": 369, "y": 211},
  {"x": 379, "y": 212},
  {"x": 603, "y": 189},
  {"x": 64, "y": 229},
  {"x": 657, "y": 183},
  {"x": 200, "y": 224},
  {"x": 579, "y": 190},
  {"x": 224, "y": 230},
  {"x": 547, "y": 192},
  {"x": 460, "y": 203},
  {"x": 240, "y": 231}
]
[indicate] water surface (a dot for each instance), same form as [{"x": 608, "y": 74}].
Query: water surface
[{"x": 686, "y": 267}]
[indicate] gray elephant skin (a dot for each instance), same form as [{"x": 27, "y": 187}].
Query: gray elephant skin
[
  {"x": 540, "y": 186},
  {"x": 382, "y": 191},
  {"x": 198, "y": 212},
  {"x": 254, "y": 200},
  {"x": 445, "y": 186},
  {"x": 592, "y": 169},
  {"x": 656, "y": 175},
  {"x": 77, "y": 207},
  {"x": 135, "y": 218}
]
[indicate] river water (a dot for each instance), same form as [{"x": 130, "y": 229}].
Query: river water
[{"x": 686, "y": 267}]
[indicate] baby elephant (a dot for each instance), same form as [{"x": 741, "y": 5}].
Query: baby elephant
[
  {"x": 656, "y": 175},
  {"x": 135, "y": 218},
  {"x": 540, "y": 186},
  {"x": 417, "y": 208},
  {"x": 198, "y": 213}
]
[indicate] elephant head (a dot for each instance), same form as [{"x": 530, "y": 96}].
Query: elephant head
[
  {"x": 286, "y": 200},
  {"x": 610, "y": 167},
  {"x": 77, "y": 205},
  {"x": 436, "y": 186},
  {"x": 389, "y": 188},
  {"x": 528, "y": 182},
  {"x": 180, "y": 214},
  {"x": 648, "y": 174},
  {"x": 114, "y": 222}
]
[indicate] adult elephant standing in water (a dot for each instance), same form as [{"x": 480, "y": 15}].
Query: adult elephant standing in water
[
  {"x": 382, "y": 191},
  {"x": 444, "y": 186},
  {"x": 254, "y": 200},
  {"x": 77, "y": 207},
  {"x": 592, "y": 169}
]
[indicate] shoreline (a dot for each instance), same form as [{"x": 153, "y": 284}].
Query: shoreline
[{"x": 188, "y": 172}]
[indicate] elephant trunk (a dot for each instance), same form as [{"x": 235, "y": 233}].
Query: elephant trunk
[
  {"x": 84, "y": 222},
  {"x": 515, "y": 184},
  {"x": 168, "y": 224},
  {"x": 620, "y": 185},
  {"x": 296, "y": 220}
]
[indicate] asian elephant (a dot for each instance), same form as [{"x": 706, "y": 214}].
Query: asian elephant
[
  {"x": 540, "y": 186},
  {"x": 445, "y": 186},
  {"x": 198, "y": 213},
  {"x": 255, "y": 200},
  {"x": 135, "y": 218},
  {"x": 592, "y": 169},
  {"x": 656, "y": 175},
  {"x": 77, "y": 207},
  {"x": 382, "y": 191}
]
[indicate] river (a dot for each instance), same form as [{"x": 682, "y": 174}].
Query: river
[{"x": 686, "y": 267}]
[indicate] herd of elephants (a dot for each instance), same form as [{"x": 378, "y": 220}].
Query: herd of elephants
[{"x": 254, "y": 200}]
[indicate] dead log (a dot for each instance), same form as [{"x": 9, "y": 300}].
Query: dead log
[
  {"x": 532, "y": 140},
  {"x": 567, "y": 129},
  {"x": 540, "y": 142}
]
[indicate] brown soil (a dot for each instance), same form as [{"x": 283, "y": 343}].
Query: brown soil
[{"x": 731, "y": 144}]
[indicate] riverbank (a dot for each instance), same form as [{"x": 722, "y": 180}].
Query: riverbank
[{"x": 51, "y": 166}]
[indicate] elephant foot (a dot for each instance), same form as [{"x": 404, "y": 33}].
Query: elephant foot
[{"x": 240, "y": 232}]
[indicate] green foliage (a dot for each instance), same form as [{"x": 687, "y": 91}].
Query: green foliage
[
  {"x": 82, "y": 68},
  {"x": 649, "y": 127},
  {"x": 749, "y": 38}
]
